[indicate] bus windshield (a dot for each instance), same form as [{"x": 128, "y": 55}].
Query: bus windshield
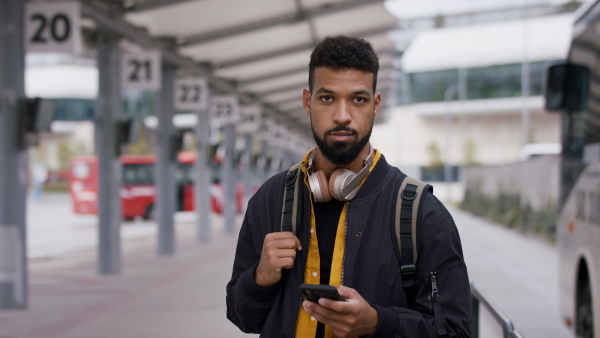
[{"x": 138, "y": 174}]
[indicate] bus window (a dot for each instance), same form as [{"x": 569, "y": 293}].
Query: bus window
[
  {"x": 138, "y": 174},
  {"x": 184, "y": 173}
]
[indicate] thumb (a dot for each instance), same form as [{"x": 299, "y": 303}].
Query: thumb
[
  {"x": 346, "y": 292},
  {"x": 298, "y": 244}
]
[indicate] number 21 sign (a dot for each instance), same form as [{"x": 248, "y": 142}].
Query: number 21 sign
[{"x": 141, "y": 70}]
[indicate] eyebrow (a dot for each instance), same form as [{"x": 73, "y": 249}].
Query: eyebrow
[
  {"x": 365, "y": 92},
  {"x": 329, "y": 91},
  {"x": 325, "y": 90}
]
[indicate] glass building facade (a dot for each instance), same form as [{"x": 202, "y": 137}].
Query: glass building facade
[{"x": 498, "y": 81}]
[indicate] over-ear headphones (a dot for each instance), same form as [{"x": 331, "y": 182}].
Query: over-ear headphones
[{"x": 343, "y": 183}]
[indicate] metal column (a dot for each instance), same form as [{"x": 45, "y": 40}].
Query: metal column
[
  {"x": 248, "y": 171},
  {"x": 263, "y": 173},
  {"x": 13, "y": 162},
  {"x": 229, "y": 179},
  {"x": 165, "y": 163},
  {"x": 202, "y": 176},
  {"x": 107, "y": 113},
  {"x": 276, "y": 158}
]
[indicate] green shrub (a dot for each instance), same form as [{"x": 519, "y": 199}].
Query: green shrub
[{"x": 507, "y": 209}]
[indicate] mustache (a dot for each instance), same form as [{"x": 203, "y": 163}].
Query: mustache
[{"x": 342, "y": 128}]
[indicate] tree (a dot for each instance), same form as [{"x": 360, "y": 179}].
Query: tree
[{"x": 141, "y": 146}]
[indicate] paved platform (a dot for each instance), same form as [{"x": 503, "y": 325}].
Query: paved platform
[
  {"x": 153, "y": 297},
  {"x": 184, "y": 295}
]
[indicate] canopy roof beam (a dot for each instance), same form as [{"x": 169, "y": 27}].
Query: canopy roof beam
[
  {"x": 291, "y": 18},
  {"x": 154, "y": 4},
  {"x": 294, "y": 49}
]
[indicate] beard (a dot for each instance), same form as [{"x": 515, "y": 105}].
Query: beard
[{"x": 341, "y": 153}]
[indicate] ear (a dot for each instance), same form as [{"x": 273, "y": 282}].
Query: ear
[
  {"x": 306, "y": 101},
  {"x": 377, "y": 100}
]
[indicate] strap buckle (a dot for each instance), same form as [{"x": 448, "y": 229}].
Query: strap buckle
[
  {"x": 408, "y": 198},
  {"x": 408, "y": 270},
  {"x": 408, "y": 274}
]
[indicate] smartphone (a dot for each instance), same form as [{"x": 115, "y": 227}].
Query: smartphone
[{"x": 312, "y": 292}]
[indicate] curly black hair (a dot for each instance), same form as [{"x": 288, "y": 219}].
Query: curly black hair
[{"x": 343, "y": 52}]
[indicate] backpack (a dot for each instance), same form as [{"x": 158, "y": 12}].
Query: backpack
[{"x": 405, "y": 220}]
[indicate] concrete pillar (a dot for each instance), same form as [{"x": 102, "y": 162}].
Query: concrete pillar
[
  {"x": 107, "y": 113},
  {"x": 13, "y": 160},
  {"x": 202, "y": 176},
  {"x": 248, "y": 172},
  {"x": 229, "y": 178},
  {"x": 166, "y": 161}
]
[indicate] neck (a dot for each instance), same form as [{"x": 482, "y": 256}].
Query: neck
[{"x": 322, "y": 163}]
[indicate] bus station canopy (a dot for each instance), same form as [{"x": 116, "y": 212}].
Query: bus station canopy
[{"x": 260, "y": 47}]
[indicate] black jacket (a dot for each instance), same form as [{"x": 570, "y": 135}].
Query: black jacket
[{"x": 370, "y": 264}]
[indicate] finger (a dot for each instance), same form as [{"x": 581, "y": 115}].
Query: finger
[
  {"x": 284, "y": 236},
  {"x": 282, "y": 243},
  {"x": 346, "y": 292},
  {"x": 337, "y": 306},
  {"x": 325, "y": 314},
  {"x": 277, "y": 263},
  {"x": 286, "y": 253},
  {"x": 287, "y": 263},
  {"x": 298, "y": 244}
]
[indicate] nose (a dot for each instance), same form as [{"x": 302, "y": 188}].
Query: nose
[{"x": 342, "y": 113}]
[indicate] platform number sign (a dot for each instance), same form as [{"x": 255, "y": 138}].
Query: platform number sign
[
  {"x": 141, "y": 70},
  {"x": 225, "y": 109},
  {"x": 249, "y": 119},
  {"x": 53, "y": 27},
  {"x": 191, "y": 94}
]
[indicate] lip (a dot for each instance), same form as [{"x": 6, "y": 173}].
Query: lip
[{"x": 341, "y": 136}]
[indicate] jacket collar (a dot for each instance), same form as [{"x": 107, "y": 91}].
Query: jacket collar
[{"x": 375, "y": 178}]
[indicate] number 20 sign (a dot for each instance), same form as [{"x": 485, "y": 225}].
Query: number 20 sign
[
  {"x": 53, "y": 27},
  {"x": 141, "y": 70}
]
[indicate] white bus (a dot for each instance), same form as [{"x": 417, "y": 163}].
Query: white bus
[{"x": 573, "y": 89}]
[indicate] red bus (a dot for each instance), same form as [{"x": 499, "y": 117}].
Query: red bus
[{"x": 137, "y": 190}]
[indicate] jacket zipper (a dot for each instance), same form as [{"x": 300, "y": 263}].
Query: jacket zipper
[
  {"x": 345, "y": 239},
  {"x": 438, "y": 313}
]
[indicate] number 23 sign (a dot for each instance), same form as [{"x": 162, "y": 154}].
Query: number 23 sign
[{"x": 53, "y": 27}]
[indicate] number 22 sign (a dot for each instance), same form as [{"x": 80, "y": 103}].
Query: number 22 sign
[
  {"x": 141, "y": 70},
  {"x": 191, "y": 94},
  {"x": 53, "y": 27}
]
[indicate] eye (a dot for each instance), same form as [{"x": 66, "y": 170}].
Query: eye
[
  {"x": 326, "y": 98},
  {"x": 360, "y": 99}
]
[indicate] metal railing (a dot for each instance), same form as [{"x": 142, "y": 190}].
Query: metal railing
[{"x": 478, "y": 298}]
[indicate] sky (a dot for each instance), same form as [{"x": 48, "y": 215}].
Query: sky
[{"x": 418, "y": 8}]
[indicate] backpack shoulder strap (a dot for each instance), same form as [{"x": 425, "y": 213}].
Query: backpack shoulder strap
[
  {"x": 289, "y": 209},
  {"x": 405, "y": 226}
]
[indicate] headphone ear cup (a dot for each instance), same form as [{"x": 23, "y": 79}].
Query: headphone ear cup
[
  {"x": 331, "y": 184},
  {"x": 338, "y": 181},
  {"x": 323, "y": 186}
]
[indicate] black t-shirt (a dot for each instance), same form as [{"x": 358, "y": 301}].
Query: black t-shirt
[{"x": 327, "y": 217}]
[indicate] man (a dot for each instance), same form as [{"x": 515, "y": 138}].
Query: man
[{"x": 347, "y": 243}]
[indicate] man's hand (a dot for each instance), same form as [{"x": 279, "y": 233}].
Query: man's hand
[
  {"x": 351, "y": 318},
  {"x": 279, "y": 252}
]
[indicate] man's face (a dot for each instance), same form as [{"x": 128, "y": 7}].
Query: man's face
[{"x": 342, "y": 108}]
